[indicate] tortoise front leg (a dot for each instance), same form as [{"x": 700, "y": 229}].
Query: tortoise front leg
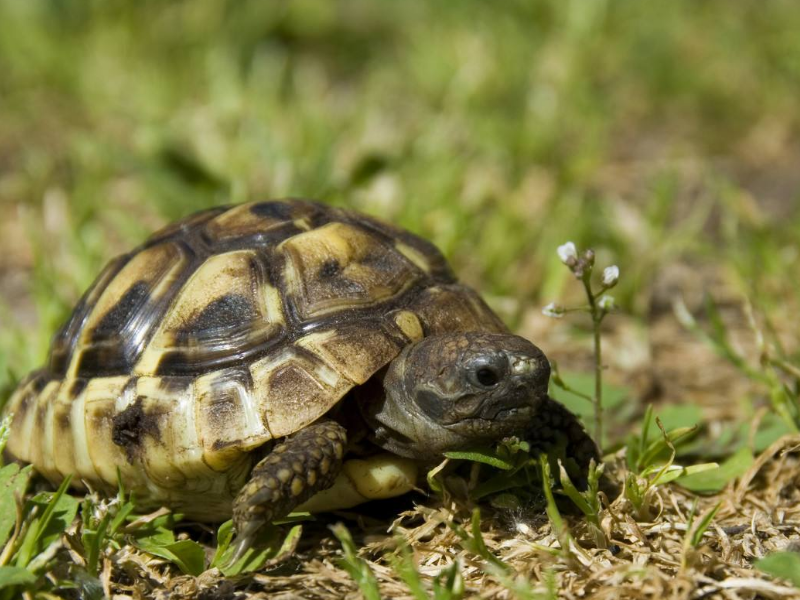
[
  {"x": 556, "y": 426},
  {"x": 296, "y": 469}
]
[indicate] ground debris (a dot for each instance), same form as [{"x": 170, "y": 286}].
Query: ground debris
[{"x": 647, "y": 559}]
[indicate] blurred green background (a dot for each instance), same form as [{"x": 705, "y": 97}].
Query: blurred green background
[{"x": 656, "y": 132}]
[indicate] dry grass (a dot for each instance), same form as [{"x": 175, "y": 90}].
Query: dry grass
[{"x": 645, "y": 559}]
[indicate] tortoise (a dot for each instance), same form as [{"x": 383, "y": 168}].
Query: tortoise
[{"x": 227, "y": 365}]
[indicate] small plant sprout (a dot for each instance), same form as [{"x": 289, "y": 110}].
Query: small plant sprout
[{"x": 599, "y": 305}]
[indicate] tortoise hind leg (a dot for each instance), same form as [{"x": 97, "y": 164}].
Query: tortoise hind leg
[{"x": 305, "y": 463}]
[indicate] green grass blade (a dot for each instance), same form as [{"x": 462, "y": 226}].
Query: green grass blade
[
  {"x": 403, "y": 564},
  {"x": 356, "y": 566}
]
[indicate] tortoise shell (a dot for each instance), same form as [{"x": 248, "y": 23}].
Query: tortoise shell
[{"x": 221, "y": 332}]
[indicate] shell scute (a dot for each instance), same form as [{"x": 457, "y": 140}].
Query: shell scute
[
  {"x": 419, "y": 251},
  {"x": 226, "y": 312},
  {"x": 295, "y": 388},
  {"x": 248, "y": 225},
  {"x": 355, "y": 350},
  {"x": 96, "y": 455},
  {"x": 185, "y": 227},
  {"x": 449, "y": 308},
  {"x": 65, "y": 340},
  {"x": 340, "y": 267},
  {"x": 228, "y": 417},
  {"x": 117, "y": 328}
]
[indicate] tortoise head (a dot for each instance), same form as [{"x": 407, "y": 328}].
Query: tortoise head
[{"x": 457, "y": 390}]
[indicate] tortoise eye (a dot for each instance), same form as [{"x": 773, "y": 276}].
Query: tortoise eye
[
  {"x": 487, "y": 371},
  {"x": 487, "y": 377}
]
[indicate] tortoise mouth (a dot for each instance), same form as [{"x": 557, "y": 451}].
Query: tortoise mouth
[
  {"x": 491, "y": 412},
  {"x": 493, "y": 424}
]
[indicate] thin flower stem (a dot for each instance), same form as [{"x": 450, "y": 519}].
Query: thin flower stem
[
  {"x": 598, "y": 386},
  {"x": 597, "y": 317}
]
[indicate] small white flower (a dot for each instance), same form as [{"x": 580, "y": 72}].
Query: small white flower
[
  {"x": 606, "y": 303},
  {"x": 553, "y": 310},
  {"x": 567, "y": 253},
  {"x": 610, "y": 276}
]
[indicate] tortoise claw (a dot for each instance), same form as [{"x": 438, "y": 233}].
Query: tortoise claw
[{"x": 243, "y": 542}]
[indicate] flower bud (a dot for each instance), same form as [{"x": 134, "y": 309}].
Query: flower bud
[
  {"x": 588, "y": 257},
  {"x": 553, "y": 310},
  {"x": 606, "y": 303},
  {"x": 610, "y": 276},
  {"x": 568, "y": 253}
]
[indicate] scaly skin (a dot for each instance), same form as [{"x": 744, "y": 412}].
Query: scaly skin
[
  {"x": 556, "y": 425},
  {"x": 296, "y": 469}
]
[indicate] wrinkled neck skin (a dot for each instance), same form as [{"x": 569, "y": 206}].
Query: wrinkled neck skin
[{"x": 429, "y": 406}]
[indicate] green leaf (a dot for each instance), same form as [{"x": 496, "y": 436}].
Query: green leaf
[
  {"x": 449, "y": 583},
  {"x": 433, "y": 481},
  {"x": 13, "y": 482},
  {"x": 268, "y": 545},
  {"x": 188, "y": 555},
  {"x": 120, "y": 518},
  {"x": 482, "y": 455},
  {"x": 15, "y": 576},
  {"x": 556, "y": 521},
  {"x": 573, "y": 494},
  {"x": 224, "y": 537},
  {"x": 505, "y": 480},
  {"x": 716, "y": 480},
  {"x": 159, "y": 530},
  {"x": 588, "y": 502},
  {"x": 678, "y": 416},
  {"x": 53, "y": 513},
  {"x": 506, "y": 501},
  {"x": 673, "y": 472},
  {"x": 87, "y": 586},
  {"x": 702, "y": 527},
  {"x": 479, "y": 546},
  {"x": 158, "y": 539},
  {"x": 93, "y": 539},
  {"x": 785, "y": 565},
  {"x": 660, "y": 445},
  {"x": 473, "y": 542},
  {"x": 290, "y": 541}
]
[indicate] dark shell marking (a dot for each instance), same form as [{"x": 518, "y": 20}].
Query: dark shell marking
[{"x": 131, "y": 425}]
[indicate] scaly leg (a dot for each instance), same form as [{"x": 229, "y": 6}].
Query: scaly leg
[
  {"x": 557, "y": 427},
  {"x": 302, "y": 465}
]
